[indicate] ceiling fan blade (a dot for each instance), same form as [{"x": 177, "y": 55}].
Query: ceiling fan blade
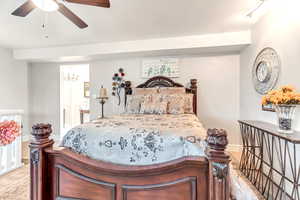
[
  {"x": 100, "y": 3},
  {"x": 24, "y": 9},
  {"x": 71, "y": 16}
]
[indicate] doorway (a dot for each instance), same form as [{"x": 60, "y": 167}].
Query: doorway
[{"x": 74, "y": 96}]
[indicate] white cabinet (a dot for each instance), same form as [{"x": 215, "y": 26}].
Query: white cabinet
[{"x": 11, "y": 154}]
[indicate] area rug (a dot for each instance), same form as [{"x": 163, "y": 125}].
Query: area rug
[{"x": 15, "y": 185}]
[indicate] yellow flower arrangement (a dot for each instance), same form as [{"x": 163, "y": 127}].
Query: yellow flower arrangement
[{"x": 284, "y": 95}]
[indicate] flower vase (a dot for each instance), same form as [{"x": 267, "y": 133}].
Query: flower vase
[{"x": 285, "y": 114}]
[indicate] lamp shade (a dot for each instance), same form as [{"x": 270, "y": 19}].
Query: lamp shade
[{"x": 103, "y": 93}]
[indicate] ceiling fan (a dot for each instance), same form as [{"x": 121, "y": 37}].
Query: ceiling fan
[{"x": 57, "y": 5}]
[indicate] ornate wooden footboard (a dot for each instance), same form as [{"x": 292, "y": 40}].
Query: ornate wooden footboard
[{"x": 63, "y": 175}]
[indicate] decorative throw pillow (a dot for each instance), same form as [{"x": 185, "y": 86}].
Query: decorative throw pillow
[
  {"x": 176, "y": 104},
  {"x": 134, "y": 103},
  {"x": 154, "y": 108}
]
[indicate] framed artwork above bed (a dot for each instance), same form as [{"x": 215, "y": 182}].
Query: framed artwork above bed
[{"x": 168, "y": 67}]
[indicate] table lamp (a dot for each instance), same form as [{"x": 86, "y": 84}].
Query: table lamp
[{"x": 102, "y": 99}]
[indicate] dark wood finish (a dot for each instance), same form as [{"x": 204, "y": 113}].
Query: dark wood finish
[
  {"x": 66, "y": 187},
  {"x": 59, "y": 173},
  {"x": 218, "y": 164},
  {"x": 269, "y": 160},
  {"x": 161, "y": 81},
  {"x": 184, "y": 188},
  {"x": 24, "y": 9},
  {"x": 71, "y": 16},
  {"x": 100, "y": 3},
  {"x": 193, "y": 90},
  {"x": 39, "y": 161}
]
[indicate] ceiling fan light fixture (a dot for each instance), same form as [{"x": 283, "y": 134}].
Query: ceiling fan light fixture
[{"x": 46, "y": 5}]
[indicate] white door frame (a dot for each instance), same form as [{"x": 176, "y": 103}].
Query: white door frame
[{"x": 61, "y": 92}]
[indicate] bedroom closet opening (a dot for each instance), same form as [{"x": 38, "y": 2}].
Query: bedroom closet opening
[{"x": 74, "y": 96}]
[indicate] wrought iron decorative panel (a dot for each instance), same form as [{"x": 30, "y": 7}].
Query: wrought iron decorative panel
[{"x": 269, "y": 160}]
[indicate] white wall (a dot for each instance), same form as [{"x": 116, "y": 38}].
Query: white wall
[
  {"x": 44, "y": 95},
  {"x": 279, "y": 29},
  {"x": 14, "y": 85},
  {"x": 218, "y": 92}
]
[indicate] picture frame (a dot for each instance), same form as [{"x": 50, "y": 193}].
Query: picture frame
[
  {"x": 168, "y": 67},
  {"x": 268, "y": 108},
  {"x": 86, "y": 89}
]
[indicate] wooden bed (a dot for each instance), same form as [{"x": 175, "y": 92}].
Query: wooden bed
[{"x": 58, "y": 173}]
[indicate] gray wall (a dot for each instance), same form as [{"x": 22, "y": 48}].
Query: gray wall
[
  {"x": 279, "y": 29},
  {"x": 14, "y": 84},
  {"x": 44, "y": 95},
  {"x": 218, "y": 92},
  {"x": 218, "y": 77}
]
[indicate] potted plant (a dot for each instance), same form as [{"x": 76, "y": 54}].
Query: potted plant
[{"x": 285, "y": 101}]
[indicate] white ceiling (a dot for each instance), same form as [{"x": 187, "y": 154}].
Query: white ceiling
[{"x": 125, "y": 20}]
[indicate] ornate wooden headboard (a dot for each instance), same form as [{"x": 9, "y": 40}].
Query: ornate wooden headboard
[{"x": 161, "y": 81}]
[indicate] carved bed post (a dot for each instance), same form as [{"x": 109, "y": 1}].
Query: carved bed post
[
  {"x": 194, "y": 91},
  {"x": 218, "y": 164},
  {"x": 38, "y": 144}
]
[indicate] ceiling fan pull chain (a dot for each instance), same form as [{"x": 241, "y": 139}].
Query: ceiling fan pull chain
[{"x": 44, "y": 25}]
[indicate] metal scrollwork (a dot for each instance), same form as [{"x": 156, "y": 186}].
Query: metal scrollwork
[
  {"x": 35, "y": 156},
  {"x": 220, "y": 170},
  {"x": 266, "y": 70}
]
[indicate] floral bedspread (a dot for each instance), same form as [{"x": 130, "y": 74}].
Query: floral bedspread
[{"x": 130, "y": 139}]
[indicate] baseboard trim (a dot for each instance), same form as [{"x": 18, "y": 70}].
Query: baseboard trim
[{"x": 235, "y": 147}]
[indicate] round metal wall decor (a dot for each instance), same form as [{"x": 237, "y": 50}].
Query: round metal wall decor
[{"x": 265, "y": 71}]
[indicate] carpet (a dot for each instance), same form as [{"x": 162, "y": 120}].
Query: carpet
[{"x": 15, "y": 185}]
